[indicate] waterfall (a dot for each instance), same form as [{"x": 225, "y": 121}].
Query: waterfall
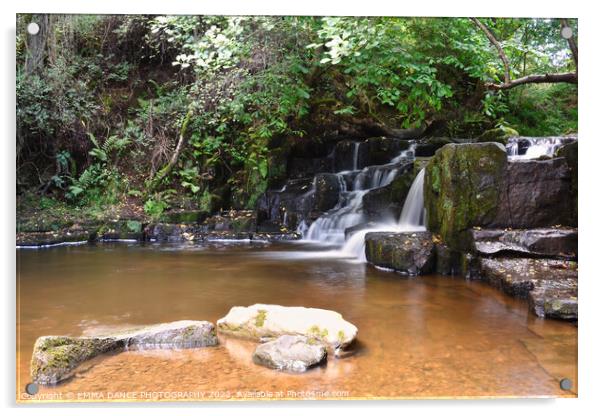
[
  {"x": 330, "y": 227},
  {"x": 412, "y": 218},
  {"x": 412, "y": 214},
  {"x": 533, "y": 147},
  {"x": 356, "y": 151}
]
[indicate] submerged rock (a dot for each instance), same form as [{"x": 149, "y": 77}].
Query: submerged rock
[
  {"x": 290, "y": 353},
  {"x": 55, "y": 357},
  {"x": 550, "y": 285},
  {"x": 411, "y": 253},
  {"x": 260, "y": 321},
  {"x": 538, "y": 242}
]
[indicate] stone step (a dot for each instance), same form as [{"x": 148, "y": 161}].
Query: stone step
[
  {"x": 549, "y": 284},
  {"x": 556, "y": 242}
]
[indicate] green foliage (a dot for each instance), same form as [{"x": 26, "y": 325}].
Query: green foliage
[
  {"x": 101, "y": 119},
  {"x": 155, "y": 206}
]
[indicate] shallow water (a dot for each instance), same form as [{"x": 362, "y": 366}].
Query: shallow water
[{"x": 430, "y": 336}]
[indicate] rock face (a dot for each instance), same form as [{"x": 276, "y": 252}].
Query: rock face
[
  {"x": 570, "y": 153},
  {"x": 462, "y": 187},
  {"x": 290, "y": 353},
  {"x": 428, "y": 147},
  {"x": 535, "y": 193},
  {"x": 537, "y": 242},
  {"x": 468, "y": 185},
  {"x": 327, "y": 189},
  {"x": 260, "y": 321},
  {"x": 550, "y": 285},
  {"x": 387, "y": 202},
  {"x": 411, "y": 253},
  {"x": 55, "y": 357}
]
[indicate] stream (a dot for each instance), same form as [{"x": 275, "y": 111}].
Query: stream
[{"x": 420, "y": 337}]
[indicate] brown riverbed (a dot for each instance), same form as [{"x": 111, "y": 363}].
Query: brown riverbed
[{"x": 424, "y": 337}]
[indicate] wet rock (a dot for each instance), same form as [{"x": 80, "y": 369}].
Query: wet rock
[
  {"x": 242, "y": 221},
  {"x": 534, "y": 193},
  {"x": 570, "y": 153},
  {"x": 328, "y": 186},
  {"x": 290, "y": 353},
  {"x": 172, "y": 233},
  {"x": 350, "y": 155},
  {"x": 271, "y": 321},
  {"x": 555, "y": 299},
  {"x": 387, "y": 202},
  {"x": 411, "y": 253},
  {"x": 55, "y": 358},
  {"x": 499, "y": 134},
  {"x": 382, "y": 149},
  {"x": 50, "y": 238},
  {"x": 448, "y": 262},
  {"x": 307, "y": 168},
  {"x": 359, "y": 227},
  {"x": 120, "y": 230},
  {"x": 462, "y": 189},
  {"x": 550, "y": 285},
  {"x": 560, "y": 242},
  {"x": 428, "y": 147}
]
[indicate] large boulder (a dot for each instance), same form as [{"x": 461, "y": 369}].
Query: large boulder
[
  {"x": 549, "y": 284},
  {"x": 535, "y": 193},
  {"x": 470, "y": 185},
  {"x": 410, "y": 253},
  {"x": 259, "y": 321},
  {"x": 295, "y": 353},
  {"x": 462, "y": 188},
  {"x": 55, "y": 358},
  {"x": 560, "y": 242}
]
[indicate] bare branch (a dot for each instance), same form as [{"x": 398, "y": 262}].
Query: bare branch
[
  {"x": 570, "y": 78},
  {"x": 497, "y": 45}
]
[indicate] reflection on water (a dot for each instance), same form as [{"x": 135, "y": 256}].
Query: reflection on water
[{"x": 418, "y": 337}]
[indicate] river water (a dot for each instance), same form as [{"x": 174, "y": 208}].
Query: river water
[{"x": 430, "y": 336}]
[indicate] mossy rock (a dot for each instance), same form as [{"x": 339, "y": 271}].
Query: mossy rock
[
  {"x": 462, "y": 188},
  {"x": 499, "y": 134},
  {"x": 183, "y": 217}
]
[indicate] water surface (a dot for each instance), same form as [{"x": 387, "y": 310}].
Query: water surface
[{"x": 430, "y": 336}]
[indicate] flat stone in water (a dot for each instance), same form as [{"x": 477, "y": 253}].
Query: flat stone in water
[
  {"x": 290, "y": 353},
  {"x": 55, "y": 357}
]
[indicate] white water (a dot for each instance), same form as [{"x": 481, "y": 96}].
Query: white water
[
  {"x": 538, "y": 146},
  {"x": 411, "y": 219},
  {"x": 330, "y": 227}
]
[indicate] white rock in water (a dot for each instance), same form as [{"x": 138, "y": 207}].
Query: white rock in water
[
  {"x": 290, "y": 353},
  {"x": 271, "y": 321}
]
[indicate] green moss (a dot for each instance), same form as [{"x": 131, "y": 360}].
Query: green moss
[
  {"x": 260, "y": 318},
  {"x": 462, "y": 187}
]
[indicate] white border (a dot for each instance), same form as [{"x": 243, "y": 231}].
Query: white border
[{"x": 590, "y": 137}]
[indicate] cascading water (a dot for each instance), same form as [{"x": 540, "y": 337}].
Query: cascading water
[
  {"x": 330, "y": 227},
  {"x": 533, "y": 147},
  {"x": 412, "y": 218}
]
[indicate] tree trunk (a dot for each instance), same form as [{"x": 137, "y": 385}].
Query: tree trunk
[{"x": 37, "y": 44}]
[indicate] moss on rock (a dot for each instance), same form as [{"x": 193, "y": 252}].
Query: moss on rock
[{"x": 461, "y": 189}]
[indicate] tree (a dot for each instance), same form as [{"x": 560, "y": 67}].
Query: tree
[{"x": 569, "y": 77}]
